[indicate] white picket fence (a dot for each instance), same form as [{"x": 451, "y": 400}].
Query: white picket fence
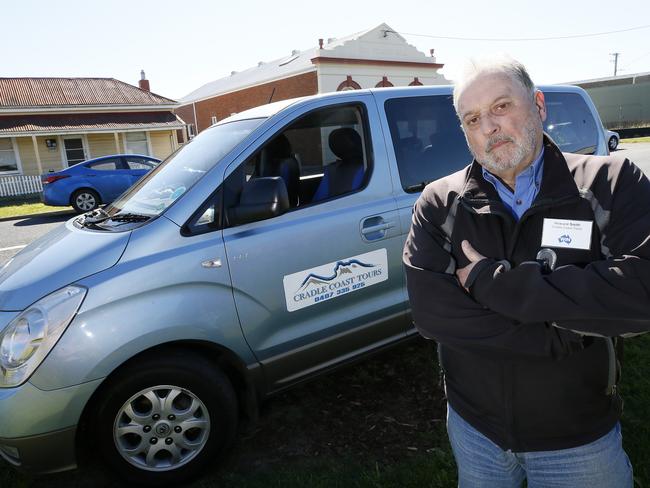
[{"x": 13, "y": 186}]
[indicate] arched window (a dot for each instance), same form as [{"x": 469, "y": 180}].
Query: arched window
[
  {"x": 349, "y": 84},
  {"x": 415, "y": 82},
  {"x": 384, "y": 82}
]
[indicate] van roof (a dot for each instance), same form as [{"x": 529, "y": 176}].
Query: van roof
[{"x": 264, "y": 111}]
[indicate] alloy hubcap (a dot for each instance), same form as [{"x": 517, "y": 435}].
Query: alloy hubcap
[
  {"x": 161, "y": 428},
  {"x": 85, "y": 201}
]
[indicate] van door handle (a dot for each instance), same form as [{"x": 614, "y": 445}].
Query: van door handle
[
  {"x": 377, "y": 228},
  {"x": 374, "y": 228}
]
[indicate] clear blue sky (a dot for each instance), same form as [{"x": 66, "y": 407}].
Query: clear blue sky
[{"x": 183, "y": 44}]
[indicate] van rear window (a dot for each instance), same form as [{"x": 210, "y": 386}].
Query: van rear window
[
  {"x": 570, "y": 124},
  {"x": 427, "y": 139}
]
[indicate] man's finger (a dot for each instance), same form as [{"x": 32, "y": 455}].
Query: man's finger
[{"x": 471, "y": 253}]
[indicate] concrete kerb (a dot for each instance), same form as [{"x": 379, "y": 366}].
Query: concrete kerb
[{"x": 41, "y": 214}]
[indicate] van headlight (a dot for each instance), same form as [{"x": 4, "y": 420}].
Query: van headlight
[{"x": 31, "y": 335}]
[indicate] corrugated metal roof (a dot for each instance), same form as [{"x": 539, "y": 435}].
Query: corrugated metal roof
[
  {"x": 63, "y": 92},
  {"x": 12, "y": 124}
]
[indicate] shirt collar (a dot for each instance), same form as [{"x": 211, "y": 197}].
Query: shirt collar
[{"x": 529, "y": 176}]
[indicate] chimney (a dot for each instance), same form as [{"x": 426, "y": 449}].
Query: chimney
[
  {"x": 320, "y": 44},
  {"x": 143, "y": 83}
]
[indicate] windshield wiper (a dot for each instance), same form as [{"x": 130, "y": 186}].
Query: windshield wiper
[
  {"x": 129, "y": 217},
  {"x": 100, "y": 216}
]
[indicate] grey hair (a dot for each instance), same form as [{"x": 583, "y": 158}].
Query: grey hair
[{"x": 500, "y": 64}]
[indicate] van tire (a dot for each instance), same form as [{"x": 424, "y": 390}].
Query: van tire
[{"x": 165, "y": 442}]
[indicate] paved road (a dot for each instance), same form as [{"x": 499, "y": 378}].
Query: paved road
[
  {"x": 638, "y": 152},
  {"x": 16, "y": 234}
]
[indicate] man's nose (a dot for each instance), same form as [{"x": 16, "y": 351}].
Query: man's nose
[{"x": 489, "y": 126}]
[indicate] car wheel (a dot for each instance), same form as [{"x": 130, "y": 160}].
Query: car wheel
[
  {"x": 85, "y": 200},
  {"x": 163, "y": 420},
  {"x": 613, "y": 143}
]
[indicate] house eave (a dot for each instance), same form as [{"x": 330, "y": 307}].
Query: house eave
[{"x": 67, "y": 109}]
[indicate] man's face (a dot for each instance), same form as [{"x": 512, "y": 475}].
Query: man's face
[{"x": 502, "y": 124}]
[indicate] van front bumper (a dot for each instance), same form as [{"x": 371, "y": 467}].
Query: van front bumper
[
  {"x": 40, "y": 454},
  {"x": 38, "y": 427}
]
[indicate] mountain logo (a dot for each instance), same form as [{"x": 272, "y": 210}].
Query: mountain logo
[
  {"x": 331, "y": 280},
  {"x": 341, "y": 268}
]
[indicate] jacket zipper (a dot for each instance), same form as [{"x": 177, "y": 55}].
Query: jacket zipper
[{"x": 508, "y": 373}]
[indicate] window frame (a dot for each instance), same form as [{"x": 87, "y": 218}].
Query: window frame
[
  {"x": 360, "y": 105},
  {"x": 19, "y": 167},
  {"x": 146, "y": 141}
]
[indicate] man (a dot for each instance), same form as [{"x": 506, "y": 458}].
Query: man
[{"x": 524, "y": 343}]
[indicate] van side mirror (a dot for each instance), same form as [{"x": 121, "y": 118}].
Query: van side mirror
[{"x": 261, "y": 198}]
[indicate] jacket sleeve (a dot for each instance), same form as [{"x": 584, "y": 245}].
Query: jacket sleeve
[
  {"x": 444, "y": 311},
  {"x": 608, "y": 297}
]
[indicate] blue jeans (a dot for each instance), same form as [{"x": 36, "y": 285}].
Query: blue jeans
[{"x": 482, "y": 464}]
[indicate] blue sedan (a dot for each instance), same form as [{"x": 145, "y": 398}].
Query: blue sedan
[{"x": 98, "y": 181}]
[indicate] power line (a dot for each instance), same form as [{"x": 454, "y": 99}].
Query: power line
[
  {"x": 511, "y": 39},
  {"x": 640, "y": 57}
]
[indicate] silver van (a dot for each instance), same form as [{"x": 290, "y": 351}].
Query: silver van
[{"x": 264, "y": 252}]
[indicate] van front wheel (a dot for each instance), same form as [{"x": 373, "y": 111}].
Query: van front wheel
[{"x": 163, "y": 420}]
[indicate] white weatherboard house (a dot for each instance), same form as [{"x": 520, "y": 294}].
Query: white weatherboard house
[{"x": 47, "y": 124}]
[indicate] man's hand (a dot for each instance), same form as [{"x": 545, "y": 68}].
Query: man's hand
[{"x": 474, "y": 257}]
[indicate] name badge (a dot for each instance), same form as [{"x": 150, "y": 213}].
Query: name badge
[{"x": 572, "y": 234}]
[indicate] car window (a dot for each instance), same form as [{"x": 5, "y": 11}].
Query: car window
[
  {"x": 427, "y": 139},
  {"x": 321, "y": 156},
  {"x": 138, "y": 163},
  {"x": 105, "y": 165},
  {"x": 570, "y": 124}
]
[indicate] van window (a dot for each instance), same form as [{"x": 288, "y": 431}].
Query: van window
[
  {"x": 427, "y": 139},
  {"x": 570, "y": 124},
  {"x": 321, "y": 156},
  {"x": 172, "y": 178}
]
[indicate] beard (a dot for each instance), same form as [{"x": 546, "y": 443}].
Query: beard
[{"x": 515, "y": 155}]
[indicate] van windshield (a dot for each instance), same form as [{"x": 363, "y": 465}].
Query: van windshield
[{"x": 159, "y": 189}]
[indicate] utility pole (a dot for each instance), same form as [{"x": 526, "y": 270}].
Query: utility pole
[{"x": 615, "y": 62}]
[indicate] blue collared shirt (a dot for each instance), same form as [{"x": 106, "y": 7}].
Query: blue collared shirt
[{"x": 527, "y": 186}]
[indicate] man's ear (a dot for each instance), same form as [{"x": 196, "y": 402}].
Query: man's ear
[{"x": 540, "y": 103}]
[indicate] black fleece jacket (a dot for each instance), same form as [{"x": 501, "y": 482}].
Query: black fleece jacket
[{"x": 522, "y": 356}]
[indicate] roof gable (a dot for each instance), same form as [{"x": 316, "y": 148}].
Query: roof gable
[
  {"x": 379, "y": 43},
  {"x": 64, "y": 92}
]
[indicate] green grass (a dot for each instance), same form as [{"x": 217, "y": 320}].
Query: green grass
[
  {"x": 344, "y": 407},
  {"x": 28, "y": 209},
  {"x": 636, "y": 139}
]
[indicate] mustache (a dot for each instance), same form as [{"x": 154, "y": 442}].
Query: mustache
[{"x": 493, "y": 141}]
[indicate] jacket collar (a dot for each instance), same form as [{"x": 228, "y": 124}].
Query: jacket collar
[{"x": 557, "y": 183}]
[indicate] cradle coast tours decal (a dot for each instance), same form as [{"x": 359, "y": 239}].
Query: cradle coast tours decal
[{"x": 331, "y": 280}]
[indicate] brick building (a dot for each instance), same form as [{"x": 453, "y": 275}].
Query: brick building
[{"x": 373, "y": 58}]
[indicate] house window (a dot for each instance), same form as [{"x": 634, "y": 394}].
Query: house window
[
  {"x": 74, "y": 150},
  {"x": 383, "y": 83},
  {"x": 8, "y": 160},
  {"x": 136, "y": 143},
  {"x": 348, "y": 84}
]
